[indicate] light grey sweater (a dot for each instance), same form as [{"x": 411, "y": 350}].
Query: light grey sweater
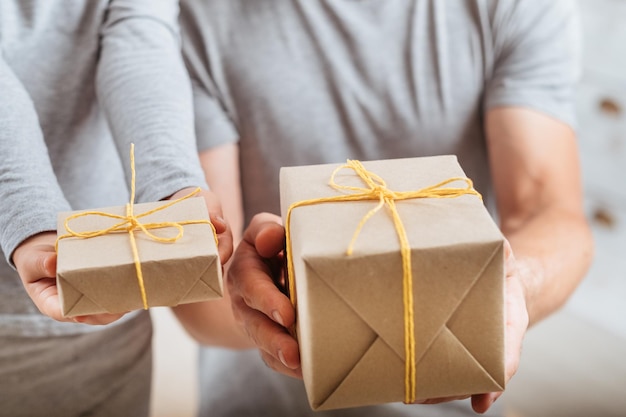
[{"x": 80, "y": 81}]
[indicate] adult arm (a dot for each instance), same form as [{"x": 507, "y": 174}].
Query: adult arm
[
  {"x": 212, "y": 322},
  {"x": 536, "y": 174},
  {"x": 533, "y": 156}
]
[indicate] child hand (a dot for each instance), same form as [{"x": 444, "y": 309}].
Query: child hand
[{"x": 36, "y": 260}]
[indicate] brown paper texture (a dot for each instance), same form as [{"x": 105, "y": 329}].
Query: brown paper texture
[
  {"x": 98, "y": 275},
  {"x": 350, "y": 308}
]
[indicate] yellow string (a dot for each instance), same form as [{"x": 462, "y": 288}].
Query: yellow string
[
  {"x": 130, "y": 223},
  {"x": 377, "y": 190}
]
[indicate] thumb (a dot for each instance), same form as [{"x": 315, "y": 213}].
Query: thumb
[
  {"x": 49, "y": 264},
  {"x": 222, "y": 229},
  {"x": 35, "y": 258},
  {"x": 43, "y": 265}
]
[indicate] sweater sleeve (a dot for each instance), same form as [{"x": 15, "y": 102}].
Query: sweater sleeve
[
  {"x": 145, "y": 93},
  {"x": 29, "y": 191},
  {"x": 536, "y": 57}
]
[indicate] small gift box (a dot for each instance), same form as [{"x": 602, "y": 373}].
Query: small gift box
[
  {"x": 416, "y": 310},
  {"x": 99, "y": 270}
]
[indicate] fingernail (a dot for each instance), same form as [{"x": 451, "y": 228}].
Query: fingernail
[
  {"x": 278, "y": 318},
  {"x": 282, "y": 358}
]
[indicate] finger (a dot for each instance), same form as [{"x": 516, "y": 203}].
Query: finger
[
  {"x": 265, "y": 217},
  {"x": 510, "y": 264},
  {"x": 250, "y": 279},
  {"x": 224, "y": 239},
  {"x": 266, "y": 234},
  {"x": 44, "y": 294},
  {"x": 276, "y": 267},
  {"x": 223, "y": 232},
  {"x": 508, "y": 251},
  {"x": 39, "y": 264},
  {"x": 49, "y": 265},
  {"x": 218, "y": 222},
  {"x": 516, "y": 324},
  {"x": 222, "y": 229},
  {"x": 270, "y": 337},
  {"x": 40, "y": 283},
  {"x": 482, "y": 402},
  {"x": 257, "y": 269},
  {"x": 270, "y": 244},
  {"x": 277, "y": 366},
  {"x": 98, "y": 319},
  {"x": 442, "y": 399},
  {"x": 215, "y": 211},
  {"x": 37, "y": 269}
]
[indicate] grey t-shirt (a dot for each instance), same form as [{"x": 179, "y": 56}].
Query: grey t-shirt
[
  {"x": 311, "y": 81},
  {"x": 80, "y": 81}
]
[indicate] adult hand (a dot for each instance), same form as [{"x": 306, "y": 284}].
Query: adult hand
[
  {"x": 515, "y": 329},
  {"x": 516, "y": 326},
  {"x": 258, "y": 304},
  {"x": 266, "y": 313},
  {"x": 36, "y": 260}
]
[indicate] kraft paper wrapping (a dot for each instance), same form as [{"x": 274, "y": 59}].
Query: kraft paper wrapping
[
  {"x": 350, "y": 308},
  {"x": 98, "y": 275}
]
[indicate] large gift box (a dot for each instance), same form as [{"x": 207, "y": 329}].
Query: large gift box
[
  {"x": 355, "y": 324},
  {"x": 100, "y": 274}
]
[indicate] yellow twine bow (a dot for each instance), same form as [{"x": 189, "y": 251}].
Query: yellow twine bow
[
  {"x": 377, "y": 190},
  {"x": 130, "y": 222}
]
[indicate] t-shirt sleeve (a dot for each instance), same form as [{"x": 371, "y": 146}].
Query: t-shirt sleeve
[
  {"x": 536, "y": 57},
  {"x": 145, "y": 93},
  {"x": 29, "y": 191},
  {"x": 213, "y": 124}
]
